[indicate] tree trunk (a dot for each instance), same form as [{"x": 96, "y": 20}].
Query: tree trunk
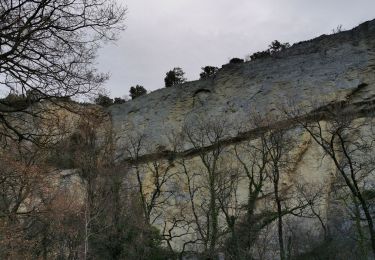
[
  {"x": 213, "y": 219},
  {"x": 369, "y": 221},
  {"x": 279, "y": 212}
]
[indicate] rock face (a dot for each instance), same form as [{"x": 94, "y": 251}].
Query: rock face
[{"x": 326, "y": 69}]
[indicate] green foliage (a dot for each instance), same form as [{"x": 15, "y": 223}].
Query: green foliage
[
  {"x": 260, "y": 55},
  {"x": 277, "y": 46},
  {"x": 21, "y": 101},
  {"x": 34, "y": 95},
  {"x": 137, "y": 91},
  {"x": 274, "y": 48},
  {"x": 14, "y": 100},
  {"x": 369, "y": 194},
  {"x": 118, "y": 100},
  {"x": 13, "y": 97},
  {"x": 103, "y": 100},
  {"x": 208, "y": 72},
  {"x": 174, "y": 77},
  {"x": 236, "y": 61}
]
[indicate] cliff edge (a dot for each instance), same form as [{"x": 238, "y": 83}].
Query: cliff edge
[{"x": 329, "y": 68}]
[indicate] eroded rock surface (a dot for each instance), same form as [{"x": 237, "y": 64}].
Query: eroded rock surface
[
  {"x": 328, "y": 70},
  {"x": 323, "y": 70}
]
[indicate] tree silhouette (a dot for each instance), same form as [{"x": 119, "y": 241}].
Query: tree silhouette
[
  {"x": 208, "y": 72},
  {"x": 103, "y": 100},
  {"x": 174, "y": 77},
  {"x": 137, "y": 91},
  {"x": 48, "y": 47}
]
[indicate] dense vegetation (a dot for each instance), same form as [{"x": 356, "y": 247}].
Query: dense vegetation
[{"x": 106, "y": 205}]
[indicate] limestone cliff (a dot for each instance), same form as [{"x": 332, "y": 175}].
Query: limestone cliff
[{"x": 330, "y": 68}]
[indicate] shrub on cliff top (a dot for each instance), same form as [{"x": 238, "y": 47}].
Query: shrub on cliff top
[
  {"x": 174, "y": 77},
  {"x": 137, "y": 91},
  {"x": 103, "y": 100},
  {"x": 236, "y": 61},
  {"x": 208, "y": 72}
]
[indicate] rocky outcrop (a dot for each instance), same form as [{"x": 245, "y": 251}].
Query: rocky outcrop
[{"x": 330, "y": 68}]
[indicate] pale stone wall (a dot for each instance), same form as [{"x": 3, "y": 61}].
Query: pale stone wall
[{"x": 325, "y": 70}]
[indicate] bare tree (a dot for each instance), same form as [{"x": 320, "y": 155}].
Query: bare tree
[
  {"x": 278, "y": 147},
  {"x": 349, "y": 142},
  {"x": 153, "y": 178},
  {"x": 22, "y": 179},
  {"x": 93, "y": 152},
  {"x": 38, "y": 216},
  {"x": 230, "y": 205},
  {"x": 313, "y": 195},
  {"x": 47, "y": 49},
  {"x": 200, "y": 135},
  {"x": 266, "y": 162},
  {"x": 252, "y": 158}
]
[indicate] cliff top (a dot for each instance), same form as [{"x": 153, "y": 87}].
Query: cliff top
[{"x": 326, "y": 69}]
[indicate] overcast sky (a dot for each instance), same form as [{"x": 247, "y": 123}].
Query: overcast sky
[{"x": 162, "y": 34}]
